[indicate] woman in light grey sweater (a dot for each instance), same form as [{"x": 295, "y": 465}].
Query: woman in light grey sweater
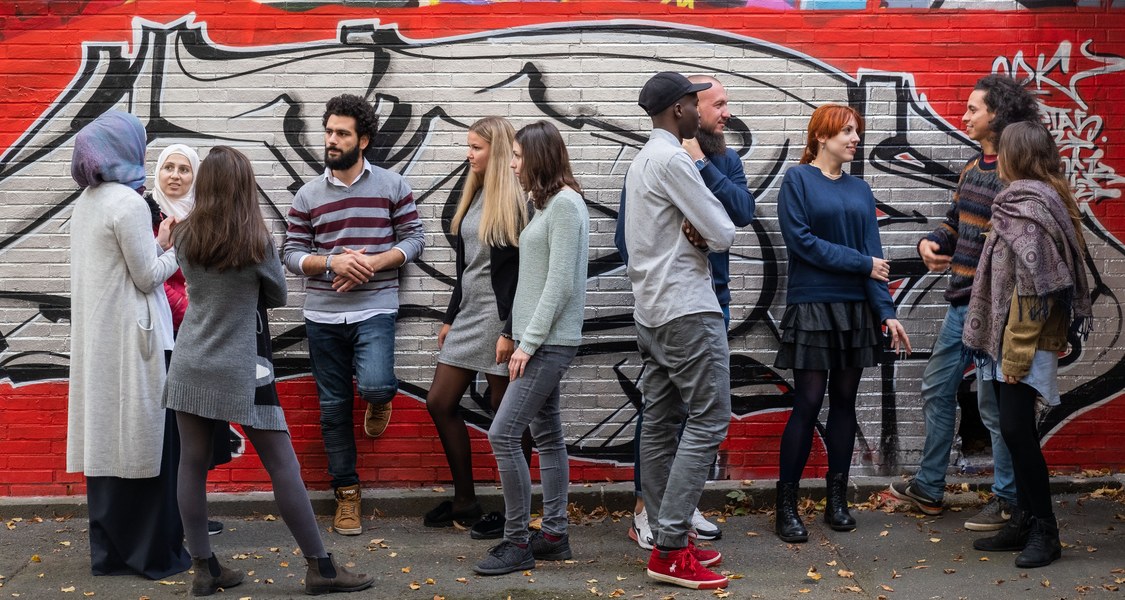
[
  {"x": 222, "y": 368},
  {"x": 547, "y": 326}
]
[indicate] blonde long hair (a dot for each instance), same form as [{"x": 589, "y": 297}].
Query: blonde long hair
[{"x": 504, "y": 212}]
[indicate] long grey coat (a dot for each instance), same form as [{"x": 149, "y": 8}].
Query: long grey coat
[{"x": 120, "y": 327}]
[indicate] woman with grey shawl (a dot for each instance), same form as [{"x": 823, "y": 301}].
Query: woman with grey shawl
[{"x": 1030, "y": 294}]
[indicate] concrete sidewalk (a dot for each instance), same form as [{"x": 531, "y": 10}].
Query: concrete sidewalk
[{"x": 892, "y": 554}]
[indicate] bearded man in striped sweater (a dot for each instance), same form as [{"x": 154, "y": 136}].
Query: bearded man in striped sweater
[{"x": 349, "y": 233}]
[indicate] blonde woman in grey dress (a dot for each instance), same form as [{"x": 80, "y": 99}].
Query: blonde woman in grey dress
[{"x": 476, "y": 334}]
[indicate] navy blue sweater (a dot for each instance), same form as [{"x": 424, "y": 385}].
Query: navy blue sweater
[
  {"x": 831, "y": 233},
  {"x": 726, "y": 179}
]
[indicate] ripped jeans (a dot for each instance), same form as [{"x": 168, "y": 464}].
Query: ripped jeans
[{"x": 337, "y": 352}]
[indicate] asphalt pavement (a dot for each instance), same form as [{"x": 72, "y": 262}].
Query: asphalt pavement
[{"x": 893, "y": 554}]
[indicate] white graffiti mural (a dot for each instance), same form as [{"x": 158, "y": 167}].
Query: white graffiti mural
[{"x": 268, "y": 102}]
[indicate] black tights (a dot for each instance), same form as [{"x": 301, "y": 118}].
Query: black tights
[
  {"x": 1017, "y": 424},
  {"x": 444, "y": 402},
  {"x": 276, "y": 451},
  {"x": 808, "y": 397}
]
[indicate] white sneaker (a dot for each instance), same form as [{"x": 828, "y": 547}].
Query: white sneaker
[
  {"x": 640, "y": 532},
  {"x": 704, "y": 529}
]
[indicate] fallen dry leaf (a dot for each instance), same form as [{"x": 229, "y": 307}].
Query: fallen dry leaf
[
  {"x": 414, "y": 585},
  {"x": 462, "y": 580},
  {"x": 68, "y": 589},
  {"x": 949, "y": 571},
  {"x": 886, "y": 588},
  {"x": 813, "y": 575},
  {"x": 884, "y": 533},
  {"x": 406, "y": 569},
  {"x": 935, "y": 539},
  {"x": 1045, "y": 583},
  {"x": 844, "y": 573}
]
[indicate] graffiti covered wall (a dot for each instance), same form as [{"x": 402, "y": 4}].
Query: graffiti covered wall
[{"x": 255, "y": 75}]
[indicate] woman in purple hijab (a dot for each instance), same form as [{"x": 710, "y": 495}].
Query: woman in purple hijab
[{"x": 118, "y": 432}]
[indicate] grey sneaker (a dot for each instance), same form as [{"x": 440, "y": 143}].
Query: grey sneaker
[
  {"x": 544, "y": 549},
  {"x": 992, "y": 517},
  {"x": 906, "y": 490},
  {"x": 505, "y": 557}
]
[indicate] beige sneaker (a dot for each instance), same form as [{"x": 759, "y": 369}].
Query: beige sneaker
[
  {"x": 376, "y": 418},
  {"x": 348, "y": 511}
]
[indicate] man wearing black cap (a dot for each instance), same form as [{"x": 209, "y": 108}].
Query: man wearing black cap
[{"x": 681, "y": 333}]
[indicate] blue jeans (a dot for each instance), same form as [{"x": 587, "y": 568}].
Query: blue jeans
[
  {"x": 944, "y": 373},
  {"x": 337, "y": 352},
  {"x": 533, "y": 400}
]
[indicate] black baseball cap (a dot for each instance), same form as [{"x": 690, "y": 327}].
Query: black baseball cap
[{"x": 664, "y": 89}]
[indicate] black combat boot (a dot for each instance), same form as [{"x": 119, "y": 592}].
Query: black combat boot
[{"x": 787, "y": 523}]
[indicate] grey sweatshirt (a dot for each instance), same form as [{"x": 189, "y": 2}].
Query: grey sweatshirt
[{"x": 671, "y": 277}]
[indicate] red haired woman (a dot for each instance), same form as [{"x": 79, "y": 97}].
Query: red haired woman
[{"x": 836, "y": 301}]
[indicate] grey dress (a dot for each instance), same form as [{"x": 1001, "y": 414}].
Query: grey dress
[
  {"x": 216, "y": 369},
  {"x": 471, "y": 341}
]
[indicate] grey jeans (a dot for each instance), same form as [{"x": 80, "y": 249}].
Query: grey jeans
[
  {"x": 687, "y": 378},
  {"x": 533, "y": 401}
]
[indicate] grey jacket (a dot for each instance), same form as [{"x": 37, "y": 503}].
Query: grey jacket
[{"x": 671, "y": 277}]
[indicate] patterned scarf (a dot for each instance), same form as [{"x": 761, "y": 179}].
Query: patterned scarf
[
  {"x": 110, "y": 148},
  {"x": 1032, "y": 250}
]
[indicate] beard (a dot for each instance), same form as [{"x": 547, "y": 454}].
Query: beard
[
  {"x": 711, "y": 143},
  {"x": 345, "y": 161}
]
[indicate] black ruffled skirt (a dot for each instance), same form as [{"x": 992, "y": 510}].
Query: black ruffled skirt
[{"x": 829, "y": 335}]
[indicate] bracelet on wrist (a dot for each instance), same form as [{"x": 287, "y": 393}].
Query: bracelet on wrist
[{"x": 328, "y": 265}]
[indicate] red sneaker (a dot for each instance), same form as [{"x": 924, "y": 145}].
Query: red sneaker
[
  {"x": 707, "y": 558},
  {"x": 681, "y": 568}
]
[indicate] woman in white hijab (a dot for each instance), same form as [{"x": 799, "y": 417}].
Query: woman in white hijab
[{"x": 173, "y": 196}]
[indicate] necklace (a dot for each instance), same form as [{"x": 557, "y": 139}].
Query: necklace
[{"x": 827, "y": 174}]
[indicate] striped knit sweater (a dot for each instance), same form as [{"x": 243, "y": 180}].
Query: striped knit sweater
[
  {"x": 961, "y": 234},
  {"x": 376, "y": 213}
]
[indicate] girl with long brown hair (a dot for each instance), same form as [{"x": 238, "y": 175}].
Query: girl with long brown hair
[
  {"x": 1030, "y": 295},
  {"x": 222, "y": 368},
  {"x": 547, "y": 317}
]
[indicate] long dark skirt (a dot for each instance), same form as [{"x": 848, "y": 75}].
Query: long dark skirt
[{"x": 135, "y": 526}]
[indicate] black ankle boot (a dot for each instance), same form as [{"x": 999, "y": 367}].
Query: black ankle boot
[
  {"x": 1012, "y": 536},
  {"x": 787, "y": 523},
  {"x": 836, "y": 503},
  {"x": 1043, "y": 547}
]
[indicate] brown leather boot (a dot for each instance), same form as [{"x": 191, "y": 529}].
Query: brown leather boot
[
  {"x": 325, "y": 576},
  {"x": 210, "y": 576},
  {"x": 349, "y": 511}
]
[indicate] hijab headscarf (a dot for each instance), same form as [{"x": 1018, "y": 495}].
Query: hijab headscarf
[
  {"x": 110, "y": 148},
  {"x": 180, "y": 207}
]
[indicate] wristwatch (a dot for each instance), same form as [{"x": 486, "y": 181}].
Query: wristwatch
[{"x": 699, "y": 164}]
